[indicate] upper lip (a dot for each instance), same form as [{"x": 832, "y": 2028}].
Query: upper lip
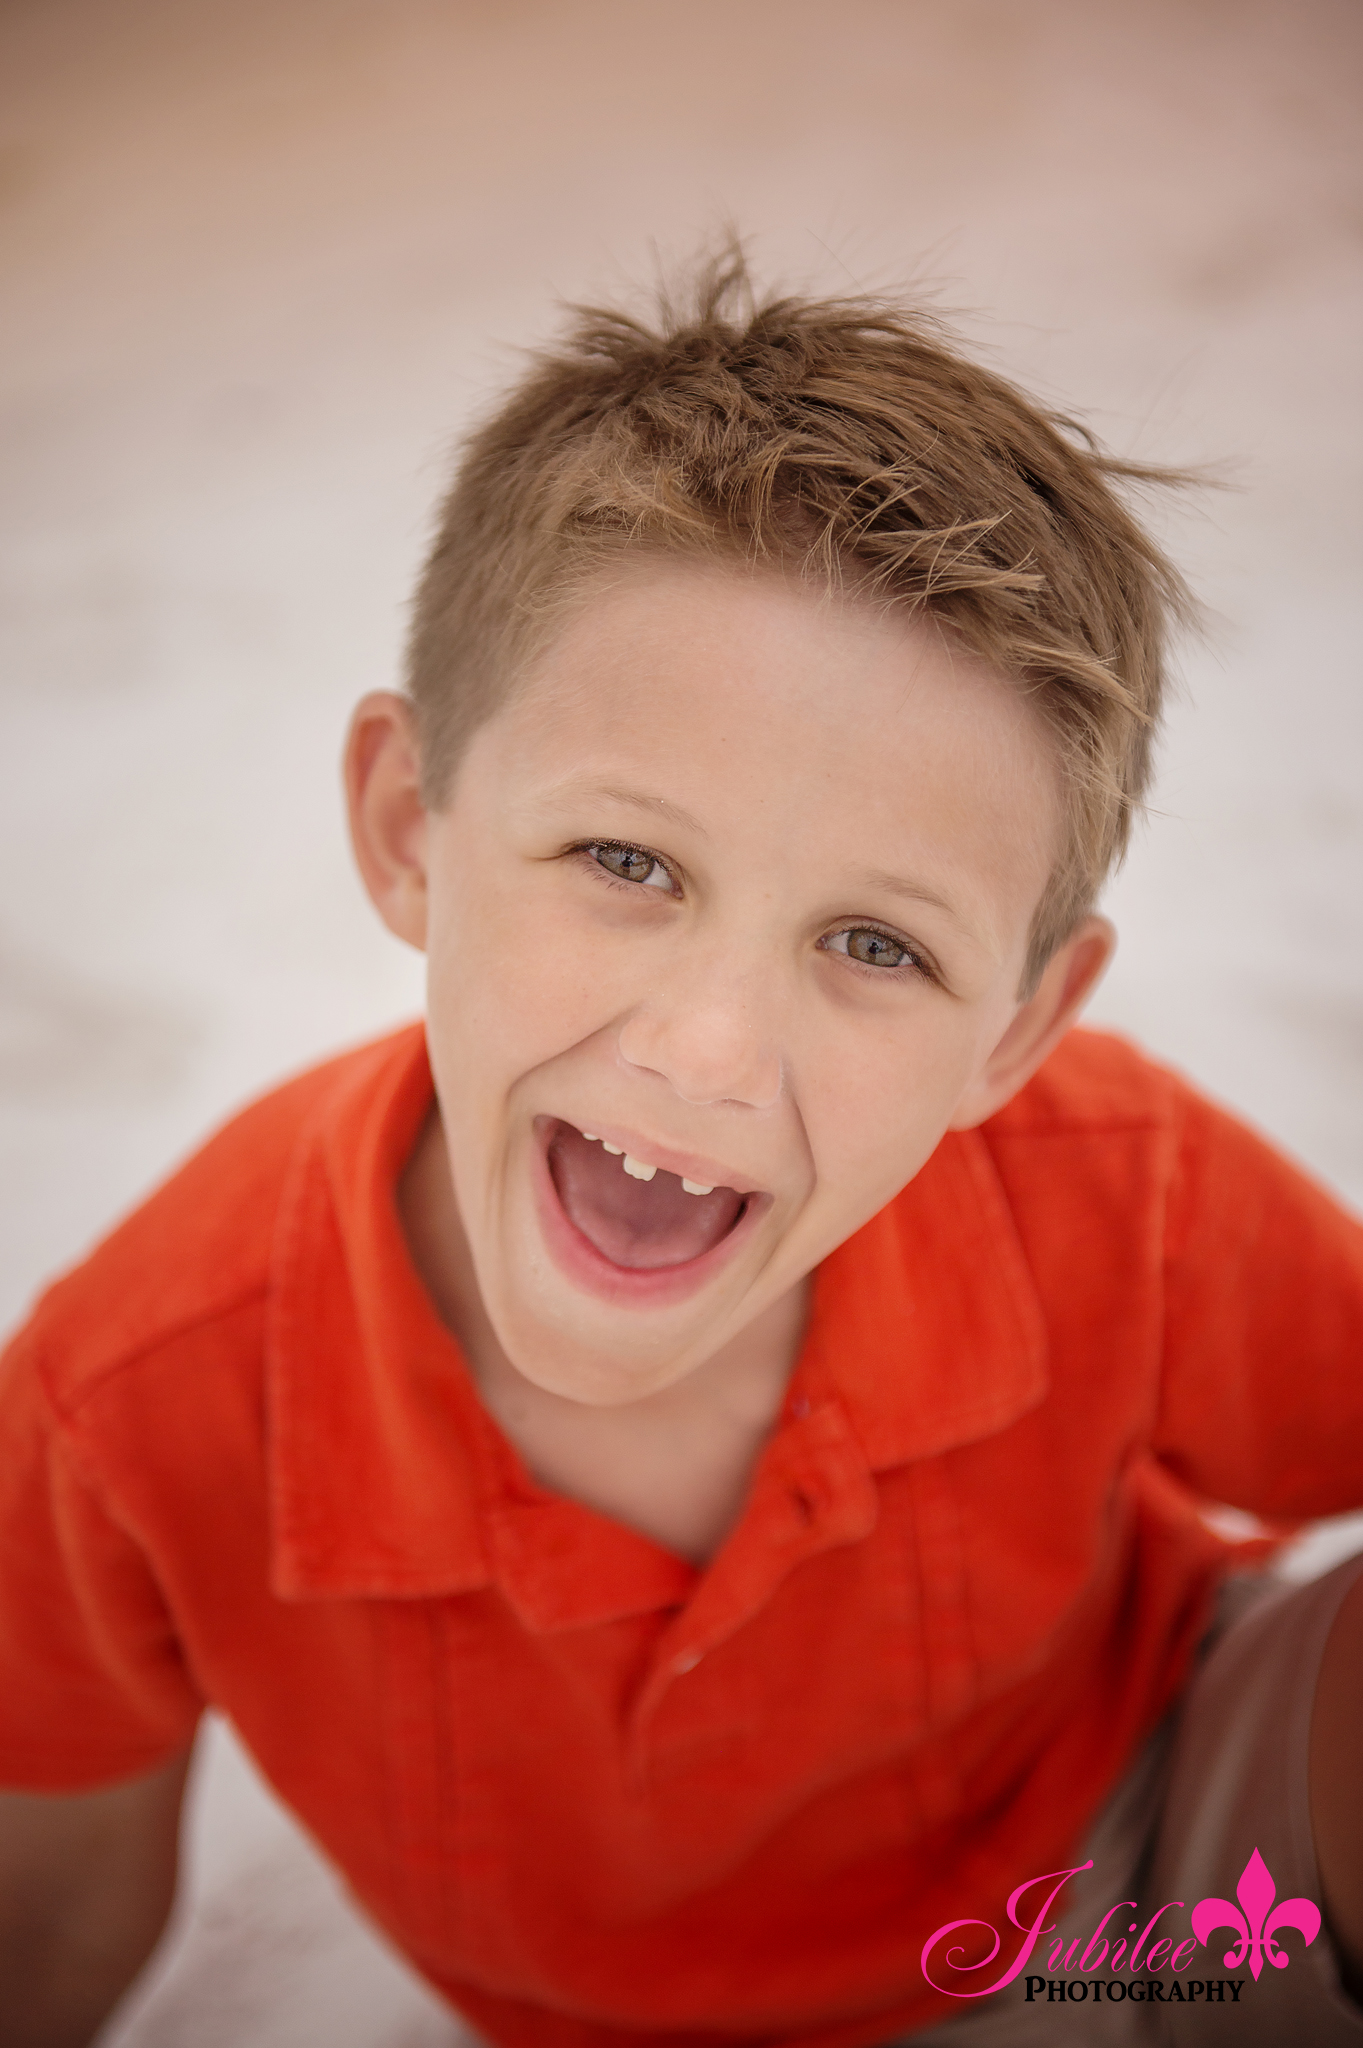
[{"x": 692, "y": 1166}]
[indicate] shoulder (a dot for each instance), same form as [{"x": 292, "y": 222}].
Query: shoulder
[
  {"x": 1089, "y": 1149},
  {"x": 197, "y": 1252},
  {"x": 1102, "y": 1115}
]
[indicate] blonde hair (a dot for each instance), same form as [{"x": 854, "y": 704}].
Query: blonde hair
[{"x": 844, "y": 439}]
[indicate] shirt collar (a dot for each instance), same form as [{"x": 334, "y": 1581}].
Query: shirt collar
[
  {"x": 389, "y": 1478},
  {"x": 372, "y": 1420},
  {"x": 926, "y": 1322}
]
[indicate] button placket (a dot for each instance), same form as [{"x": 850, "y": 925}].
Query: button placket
[{"x": 812, "y": 1491}]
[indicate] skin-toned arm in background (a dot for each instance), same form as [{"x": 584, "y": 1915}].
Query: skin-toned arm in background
[{"x": 86, "y": 1884}]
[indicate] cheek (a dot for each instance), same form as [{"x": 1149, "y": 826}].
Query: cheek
[
  {"x": 878, "y": 1101},
  {"x": 510, "y": 984}
]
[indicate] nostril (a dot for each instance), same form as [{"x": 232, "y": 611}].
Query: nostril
[{"x": 708, "y": 1059}]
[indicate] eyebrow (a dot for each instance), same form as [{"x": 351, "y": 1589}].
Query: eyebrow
[
  {"x": 634, "y": 800},
  {"x": 896, "y": 885},
  {"x": 915, "y": 892}
]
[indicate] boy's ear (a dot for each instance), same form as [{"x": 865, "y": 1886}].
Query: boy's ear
[
  {"x": 1071, "y": 974},
  {"x": 387, "y": 816}
]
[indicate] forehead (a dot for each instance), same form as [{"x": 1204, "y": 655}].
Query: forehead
[{"x": 752, "y": 705}]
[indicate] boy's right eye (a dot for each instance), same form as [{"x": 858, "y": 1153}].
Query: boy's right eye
[{"x": 630, "y": 864}]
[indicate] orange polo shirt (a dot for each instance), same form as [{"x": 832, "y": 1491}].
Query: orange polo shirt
[{"x": 596, "y": 1795}]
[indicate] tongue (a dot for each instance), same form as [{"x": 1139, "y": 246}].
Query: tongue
[{"x": 637, "y": 1223}]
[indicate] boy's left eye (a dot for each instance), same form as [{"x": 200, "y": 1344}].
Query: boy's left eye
[
  {"x": 630, "y": 864},
  {"x": 872, "y": 948}
]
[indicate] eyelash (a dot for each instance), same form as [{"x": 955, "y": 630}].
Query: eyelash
[
  {"x": 913, "y": 967},
  {"x": 593, "y": 847}
]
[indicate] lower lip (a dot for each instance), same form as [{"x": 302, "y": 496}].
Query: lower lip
[{"x": 631, "y": 1286}]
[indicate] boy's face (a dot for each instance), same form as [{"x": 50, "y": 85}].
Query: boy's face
[{"x": 736, "y": 886}]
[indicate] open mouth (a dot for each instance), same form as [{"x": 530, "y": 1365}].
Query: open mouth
[{"x": 634, "y": 1214}]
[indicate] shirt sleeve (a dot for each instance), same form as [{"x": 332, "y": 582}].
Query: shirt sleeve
[
  {"x": 1262, "y": 1397},
  {"x": 93, "y": 1686}
]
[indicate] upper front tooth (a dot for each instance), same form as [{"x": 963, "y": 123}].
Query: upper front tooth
[
  {"x": 616, "y": 1149},
  {"x": 693, "y": 1187},
  {"x": 591, "y": 1137},
  {"x": 636, "y": 1166}
]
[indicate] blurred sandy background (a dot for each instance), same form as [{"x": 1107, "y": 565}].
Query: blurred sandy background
[{"x": 262, "y": 263}]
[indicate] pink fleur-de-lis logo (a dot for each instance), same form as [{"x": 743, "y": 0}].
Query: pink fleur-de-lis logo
[{"x": 1258, "y": 1924}]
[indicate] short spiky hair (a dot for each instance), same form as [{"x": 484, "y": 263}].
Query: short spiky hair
[{"x": 848, "y": 440}]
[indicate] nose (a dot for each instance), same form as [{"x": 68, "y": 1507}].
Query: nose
[{"x": 712, "y": 1033}]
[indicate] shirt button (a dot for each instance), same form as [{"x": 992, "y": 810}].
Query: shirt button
[
  {"x": 687, "y": 1661},
  {"x": 799, "y": 1407}
]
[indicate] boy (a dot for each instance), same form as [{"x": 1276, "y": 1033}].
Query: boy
[{"x": 687, "y": 1472}]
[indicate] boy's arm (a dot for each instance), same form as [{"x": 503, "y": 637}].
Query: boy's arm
[
  {"x": 1262, "y": 1398},
  {"x": 95, "y": 1690},
  {"x": 86, "y": 1884}
]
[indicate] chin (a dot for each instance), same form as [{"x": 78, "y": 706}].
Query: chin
[{"x": 601, "y": 1360}]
